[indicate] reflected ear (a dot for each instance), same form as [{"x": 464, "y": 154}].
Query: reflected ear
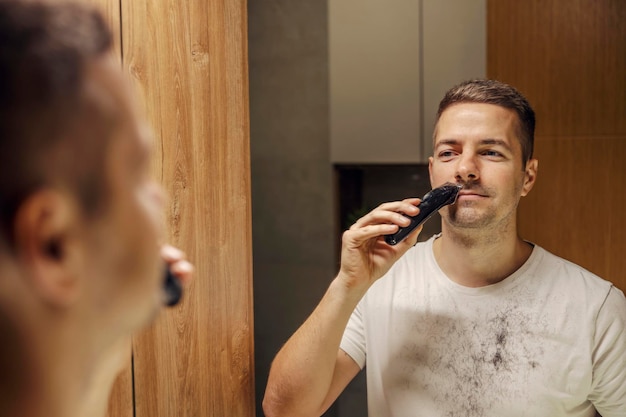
[
  {"x": 530, "y": 176},
  {"x": 45, "y": 224}
]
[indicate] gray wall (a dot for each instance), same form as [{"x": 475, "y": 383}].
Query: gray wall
[{"x": 292, "y": 206}]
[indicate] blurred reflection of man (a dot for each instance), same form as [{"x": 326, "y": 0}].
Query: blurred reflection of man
[{"x": 81, "y": 266}]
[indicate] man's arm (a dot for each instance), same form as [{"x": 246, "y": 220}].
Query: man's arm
[{"x": 310, "y": 371}]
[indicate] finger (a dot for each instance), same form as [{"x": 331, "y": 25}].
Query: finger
[
  {"x": 413, "y": 201},
  {"x": 411, "y": 239},
  {"x": 177, "y": 263},
  {"x": 356, "y": 237},
  {"x": 407, "y": 206},
  {"x": 379, "y": 218},
  {"x": 398, "y": 217},
  {"x": 390, "y": 213},
  {"x": 170, "y": 253},
  {"x": 183, "y": 270}
]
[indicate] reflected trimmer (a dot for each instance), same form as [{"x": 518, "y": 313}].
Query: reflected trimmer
[
  {"x": 432, "y": 201},
  {"x": 172, "y": 288}
]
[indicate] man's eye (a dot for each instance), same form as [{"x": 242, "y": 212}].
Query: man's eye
[
  {"x": 492, "y": 153},
  {"x": 446, "y": 154}
]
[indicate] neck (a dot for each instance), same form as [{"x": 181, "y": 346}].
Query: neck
[
  {"x": 478, "y": 258},
  {"x": 53, "y": 358},
  {"x": 75, "y": 383}
]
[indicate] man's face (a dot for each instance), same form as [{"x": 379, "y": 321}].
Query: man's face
[
  {"x": 476, "y": 144},
  {"x": 123, "y": 267}
]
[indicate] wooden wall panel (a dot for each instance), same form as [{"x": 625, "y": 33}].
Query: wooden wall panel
[
  {"x": 189, "y": 60},
  {"x": 569, "y": 58}
]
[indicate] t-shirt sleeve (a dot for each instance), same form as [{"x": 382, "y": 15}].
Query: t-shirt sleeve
[
  {"x": 353, "y": 341},
  {"x": 608, "y": 390}
]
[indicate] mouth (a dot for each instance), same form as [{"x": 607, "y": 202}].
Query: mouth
[{"x": 469, "y": 194}]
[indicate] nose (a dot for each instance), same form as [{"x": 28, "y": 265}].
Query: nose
[{"x": 467, "y": 169}]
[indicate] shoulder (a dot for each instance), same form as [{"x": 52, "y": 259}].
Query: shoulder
[{"x": 573, "y": 278}]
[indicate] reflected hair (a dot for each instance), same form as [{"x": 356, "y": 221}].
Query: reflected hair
[
  {"x": 501, "y": 94},
  {"x": 44, "y": 51}
]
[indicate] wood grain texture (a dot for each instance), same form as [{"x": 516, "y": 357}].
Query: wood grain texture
[
  {"x": 569, "y": 58},
  {"x": 189, "y": 60}
]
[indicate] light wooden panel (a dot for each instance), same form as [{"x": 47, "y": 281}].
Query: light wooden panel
[
  {"x": 569, "y": 58},
  {"x": 189, "y": 59}
]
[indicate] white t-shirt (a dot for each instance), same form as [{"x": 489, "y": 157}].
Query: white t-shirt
[{"x": 548, "y": 341}]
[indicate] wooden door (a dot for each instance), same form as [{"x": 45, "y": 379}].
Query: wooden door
[
  {"x": 189, "y": 63},
  {"x": 569, "y": 58}
]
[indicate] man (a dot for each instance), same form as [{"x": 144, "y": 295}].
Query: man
[
  {"x": 81, "y": 266},
  {"x": 473, "y": 322}
]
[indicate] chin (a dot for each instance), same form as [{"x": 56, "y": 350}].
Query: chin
[
  {"x": 145, "y": 313},
  {"x": 153, "y": 310},
  {"x": 468, "y": 220}
]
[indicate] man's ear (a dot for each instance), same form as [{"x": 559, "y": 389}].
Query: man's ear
[
  {"x": 530, "y": 176},
  {"x": 45, "y": 231}
]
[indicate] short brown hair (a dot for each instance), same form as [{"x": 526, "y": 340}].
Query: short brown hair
[
  {"x": 500, "y": 94},
  {"x": 44, "y": 50}
]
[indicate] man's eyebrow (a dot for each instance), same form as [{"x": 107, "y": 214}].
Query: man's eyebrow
[
  {"x": 446, "y": 142},
  {"x": 496, "y": 142},
  {"x": 499, "y": 142},
  {"x": 488, "y": 141}
]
